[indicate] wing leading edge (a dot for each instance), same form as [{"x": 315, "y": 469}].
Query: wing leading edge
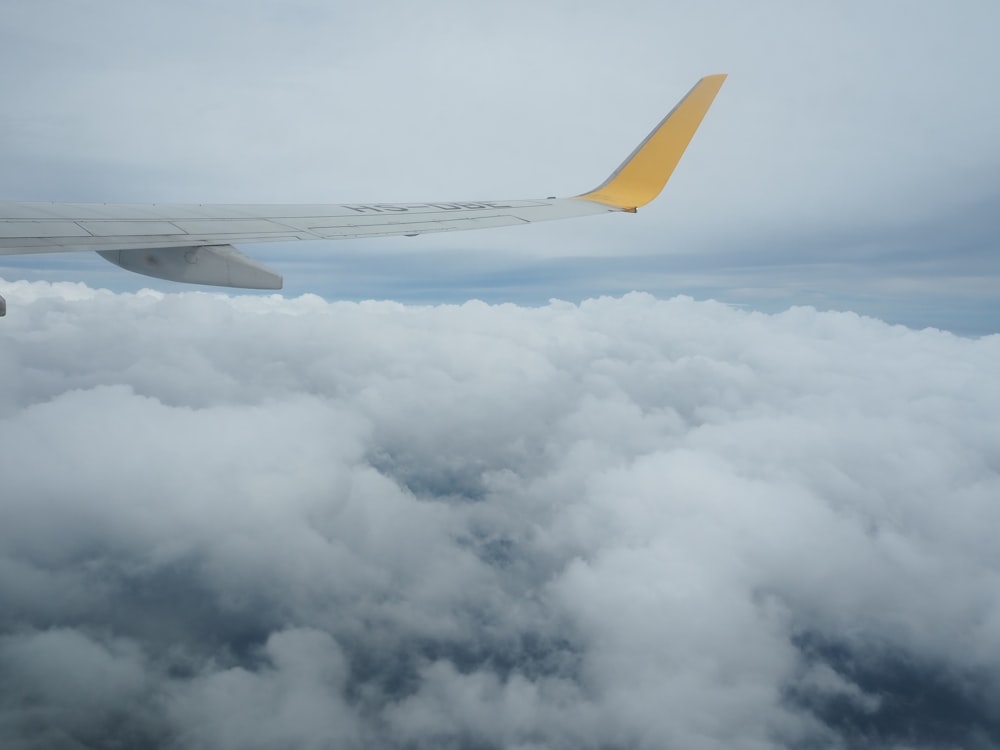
[{"x": 193, "y": 243}]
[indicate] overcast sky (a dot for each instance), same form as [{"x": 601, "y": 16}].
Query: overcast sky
[
  {"x": 849, "y": 162},
  {"x": 525, "y": 488}
]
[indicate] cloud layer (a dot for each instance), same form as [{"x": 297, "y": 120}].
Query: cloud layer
[{"x": 265, "y": 522}]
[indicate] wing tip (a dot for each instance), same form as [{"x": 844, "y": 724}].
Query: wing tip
[{"x": 643, "y": 175}]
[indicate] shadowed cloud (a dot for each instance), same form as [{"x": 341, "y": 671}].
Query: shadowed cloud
[{"x": 258, "y": 521}]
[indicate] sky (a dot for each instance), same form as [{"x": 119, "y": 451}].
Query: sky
[
  {"x": 848, "y": 163},
  {"x": 723, "y": 474}
]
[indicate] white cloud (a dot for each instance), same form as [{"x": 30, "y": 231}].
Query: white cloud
[
  {"x": 629, "y": 522},
  {"x": 60, "y": 683},
  {"x": 293, "y": 699}
]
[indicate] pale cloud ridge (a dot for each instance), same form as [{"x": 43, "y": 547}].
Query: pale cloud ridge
[{"x": 257, "y": 522}]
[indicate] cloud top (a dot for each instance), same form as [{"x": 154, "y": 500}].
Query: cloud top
[{"x": 254, "y": 522}]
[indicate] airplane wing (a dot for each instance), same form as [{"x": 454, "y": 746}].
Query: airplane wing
[{"x": 195, "y": 243}]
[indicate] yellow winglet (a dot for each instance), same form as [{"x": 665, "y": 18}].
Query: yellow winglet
[{"x": 643, "y": 174}]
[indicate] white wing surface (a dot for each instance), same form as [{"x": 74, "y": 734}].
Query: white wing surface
[{"x": 194, "y": 243}]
